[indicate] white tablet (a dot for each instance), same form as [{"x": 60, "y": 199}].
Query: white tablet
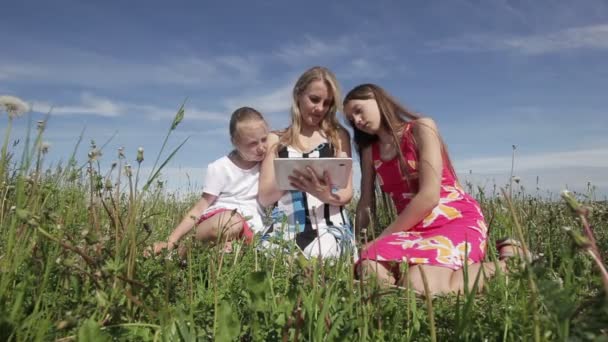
[{"x": 339, "y": 170}]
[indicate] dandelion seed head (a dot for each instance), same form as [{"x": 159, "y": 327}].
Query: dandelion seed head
[
  {"x": 44, "y": 147},
  {"x": 140, "y": 155},
  {"x": 108, "y": 185},
  {"x": 41, "y": 125},
  {"x": 128, "y": 170},
  {"x": 13, "y": 106},
  {"x": 94, "y": 153}
]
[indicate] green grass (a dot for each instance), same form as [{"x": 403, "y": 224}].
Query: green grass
[{"x": 71, "y": 268}]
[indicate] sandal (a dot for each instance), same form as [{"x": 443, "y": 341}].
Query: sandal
[{"x": 514, "y": 249}]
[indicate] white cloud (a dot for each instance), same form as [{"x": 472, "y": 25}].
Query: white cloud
[
  {"x": 183, "y": 181},
  {"x": 277, "y": 100},
  {"x": 583, "y": 37},
  {"x": 311, "y": 48},
  {"x": 586, "y": 37},
  {"x": 191, "y": 112},
  {"x": 364, "y": 68},
  {"x": 543, "y": 181},
  {"x": 553, "y": 160},
  {"x": 350, "y": 56},
  {"x": 90, "y": 104},
  {"x": 552, "y": 171},
  {"x": 74, "y": 66}
]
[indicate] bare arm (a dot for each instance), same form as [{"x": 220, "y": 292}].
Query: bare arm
[
  {"x": 320, "y": 187},
  {"x": 430, "y": 166},
  {"x": 268, "y": 192},
  {"x": 187, "y": 223},
  {"x": 345, "y": 195},
  {"x": 368, "y": 176}
]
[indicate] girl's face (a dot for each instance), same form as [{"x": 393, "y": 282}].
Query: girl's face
[
  {"x": 314, "y": 103},
  {"x": 364, "y": 114},
  {"x": 250, "y": 140}
]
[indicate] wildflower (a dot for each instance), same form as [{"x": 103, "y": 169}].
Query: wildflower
[
  {"x": 140, "y": 155},
  {"x": 108, "y": 185},
  {"x": 44, "y": 147},
  {"x": 41, "y": 125},
  {"x": 574, "y": 204},
  {"x": 128, "y": 170},
  {"x": 13, "y": 106},
  {"x": 94, "y": 153},
  {"x": 516, "y": 179},
  {"x": 121, "y": 152}
]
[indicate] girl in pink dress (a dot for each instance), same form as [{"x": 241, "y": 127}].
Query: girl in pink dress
[{"x": 439, "y": 227}]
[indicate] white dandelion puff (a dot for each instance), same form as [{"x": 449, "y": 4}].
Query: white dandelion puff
[
  {"x": 13, "y": 106},
  {"x": 128, "y": 170},
  {"x": 41, "y": 125},
  {"x": 94, "y": 153},
  {"x": 44, "y": 147},
  {"x": 140, "y": 155}
]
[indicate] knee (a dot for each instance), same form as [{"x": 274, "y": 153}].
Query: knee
[
  {"x": 231, "y": 226},
  {"x": 368, "y": 269},
  {"x": 415, "y": 281},
  {"x": 365, "y": 268}
]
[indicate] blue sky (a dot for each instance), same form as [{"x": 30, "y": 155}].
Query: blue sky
[{"x": 492, "y": 73}]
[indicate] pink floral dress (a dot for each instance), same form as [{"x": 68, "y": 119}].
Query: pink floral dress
[{"x": 452, "y": 233}]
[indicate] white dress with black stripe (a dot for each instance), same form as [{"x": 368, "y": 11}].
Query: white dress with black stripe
[{"x": 313, "y": 226}]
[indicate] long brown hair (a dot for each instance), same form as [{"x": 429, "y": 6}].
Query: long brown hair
[
  {"x": 329, "y": 125},
  {"x": 393, "y": 117}
]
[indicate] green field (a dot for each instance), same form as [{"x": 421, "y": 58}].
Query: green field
[{"x": 72, "y": 268}]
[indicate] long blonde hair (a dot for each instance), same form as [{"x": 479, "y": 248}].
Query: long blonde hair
[{"x": 329, "y": 125}]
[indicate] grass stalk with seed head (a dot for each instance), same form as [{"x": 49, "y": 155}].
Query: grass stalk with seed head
[{"x": 590, "y": 245}]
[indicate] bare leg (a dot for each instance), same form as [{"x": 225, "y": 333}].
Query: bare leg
[
  {"x": 443, "y": 280},
  {"x": 220, "y": 228},
  {"x": 225, "y": 225},
  {"x": 370, "y": 268},
  {"x": 480, "y": 272},
  {"x": 437, "y": 279}
]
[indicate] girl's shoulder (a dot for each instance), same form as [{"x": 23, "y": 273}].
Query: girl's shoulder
[
  {"x": 276, "y": 134},
  {"x": 422, "y": 123},
  {"x": 223, "y": 160}
]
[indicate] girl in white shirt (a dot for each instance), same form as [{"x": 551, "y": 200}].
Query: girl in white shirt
[{"x": 229, "y": 208}]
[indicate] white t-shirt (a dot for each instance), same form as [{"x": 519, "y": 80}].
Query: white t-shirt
[{"x": 235, "y": 188}]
